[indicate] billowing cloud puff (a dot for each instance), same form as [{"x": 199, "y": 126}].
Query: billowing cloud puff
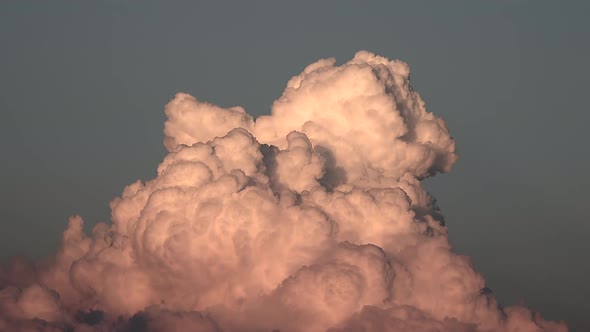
[{"x": 312, "y": 218}]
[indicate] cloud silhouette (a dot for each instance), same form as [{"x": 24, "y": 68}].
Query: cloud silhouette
[{"x": 312, "y": 218}]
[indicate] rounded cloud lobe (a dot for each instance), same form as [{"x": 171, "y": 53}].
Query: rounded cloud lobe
[{"x": 312, "y": 218}]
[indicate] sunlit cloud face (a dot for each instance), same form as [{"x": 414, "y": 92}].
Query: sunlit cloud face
[{"x": 310, "y": 219}]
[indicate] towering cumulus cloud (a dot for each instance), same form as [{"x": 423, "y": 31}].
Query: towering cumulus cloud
[{"x": 310, "y": 219}]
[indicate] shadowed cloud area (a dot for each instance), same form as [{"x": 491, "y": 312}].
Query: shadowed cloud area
[{"x": 312, "y": 218}]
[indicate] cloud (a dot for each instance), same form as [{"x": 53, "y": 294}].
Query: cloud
[{"x": 312, "y": 218}]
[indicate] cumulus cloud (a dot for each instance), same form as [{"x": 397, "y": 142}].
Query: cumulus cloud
[{"x": 312, "y": 218}]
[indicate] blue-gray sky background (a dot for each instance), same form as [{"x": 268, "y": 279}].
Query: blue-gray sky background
[{"x": 83, "y": 86}]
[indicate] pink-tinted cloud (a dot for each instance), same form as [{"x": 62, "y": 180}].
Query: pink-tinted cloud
[{"x": 312, "y": 218}]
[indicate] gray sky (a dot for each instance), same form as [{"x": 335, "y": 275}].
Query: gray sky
[{"x": 83, "y": 86}]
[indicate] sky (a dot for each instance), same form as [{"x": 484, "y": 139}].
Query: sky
[{"x": 83, "y": 88}]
